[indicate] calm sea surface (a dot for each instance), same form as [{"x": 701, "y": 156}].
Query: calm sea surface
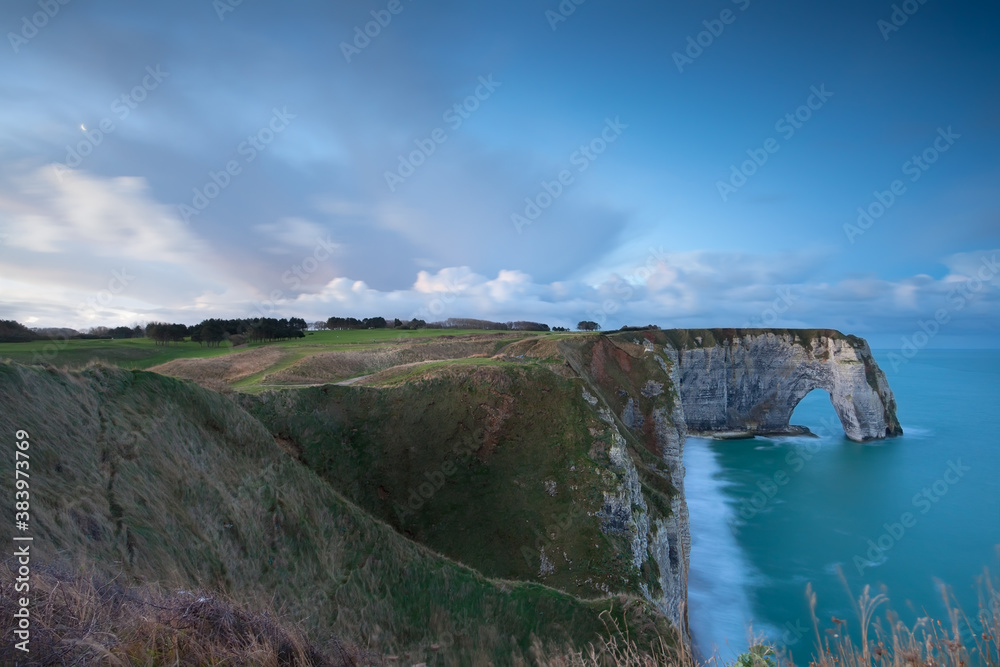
[{"x": 769, "y": 516}]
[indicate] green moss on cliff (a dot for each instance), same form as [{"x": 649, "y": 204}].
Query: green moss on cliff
[
  {"x": 684, "y": 339},
  {"x": 489, "y": 463}
]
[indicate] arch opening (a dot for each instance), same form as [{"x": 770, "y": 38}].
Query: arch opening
[{"x": 816, "y": 412}]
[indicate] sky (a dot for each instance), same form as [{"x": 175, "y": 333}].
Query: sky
[{"x": 687, "y": 164}]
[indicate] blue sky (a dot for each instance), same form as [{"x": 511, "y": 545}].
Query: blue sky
[{"x": 250, "y": 163}]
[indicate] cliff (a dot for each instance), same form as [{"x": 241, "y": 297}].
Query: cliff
[
  {"x": 750, "y": 380},
  {"x": 563, "y": 456},
  {"x": 553, "y": 459},
  {"x": 520, "y": 466},
  {"x": 141, "y": 479}
]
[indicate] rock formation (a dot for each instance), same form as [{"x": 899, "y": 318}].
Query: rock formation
[
  {"x": 654, "y": 387},
  {"x": 635, "y": 379},
  {"x": 750, "y": 380}
]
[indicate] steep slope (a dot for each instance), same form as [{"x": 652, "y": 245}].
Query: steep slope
[
  {"x": 557, "y": 462},
  {"x": 156, "y": 479}
]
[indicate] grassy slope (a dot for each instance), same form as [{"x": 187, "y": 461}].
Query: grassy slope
[
  {"x": 163, "y": 481},
  {"x": 501, "y": 429},
  {"x": 479, "y": 439},
  {"x": 142, "y": 353}
]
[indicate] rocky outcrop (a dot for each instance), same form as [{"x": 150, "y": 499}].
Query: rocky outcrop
[
  {"x": 654, "y": 387},
  {"x": 632, "y": 382},
  {"x": 750, "y": 380}
]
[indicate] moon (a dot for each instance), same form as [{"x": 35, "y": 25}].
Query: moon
[{"x": 82, "y": 127}]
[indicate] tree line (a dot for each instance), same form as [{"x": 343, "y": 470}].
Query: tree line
[{"x": 214, "y": 331}]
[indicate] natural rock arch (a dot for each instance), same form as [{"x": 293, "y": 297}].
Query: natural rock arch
[{"x": 750, "y": 381}]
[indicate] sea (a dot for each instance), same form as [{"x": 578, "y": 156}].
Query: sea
[{"x": 916, "y": 517}]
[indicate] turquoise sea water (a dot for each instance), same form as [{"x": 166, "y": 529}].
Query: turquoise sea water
[{"x": 769, "y": 516}]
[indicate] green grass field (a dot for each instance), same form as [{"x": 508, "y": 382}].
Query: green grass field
[{"x": 142, "y": 353}]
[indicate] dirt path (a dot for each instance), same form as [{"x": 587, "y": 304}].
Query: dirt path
[{"x": 344, "y": 383}]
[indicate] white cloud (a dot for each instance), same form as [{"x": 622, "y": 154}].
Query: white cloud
[
  {"x": 83, "y": 250},
  {"x": 58, "y": 210},
  {"x": 66, "y": 237}
]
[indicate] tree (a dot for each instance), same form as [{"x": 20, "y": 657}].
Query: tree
[
  {"x": 15, "y": 332},
  {"x": 341, "y": 323},
  {"x": 298, "y": 323},
  {"x": 588, "y": 325},
  {"x": 527, "y": 326},
  {"x": 163, "y": 333}
]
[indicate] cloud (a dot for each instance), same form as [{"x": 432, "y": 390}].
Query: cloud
[
  {"x": 58, "y": 210},
  {"x": 292, "y": 233},
  {"x": 95, "y": 248}
]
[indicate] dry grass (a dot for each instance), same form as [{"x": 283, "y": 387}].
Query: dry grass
[
  {"x": 959, "y": 641},
  {"x": 277, "y": 366},
  {"x": 336, "y": 366},
  {"x": 615, "y": 649},
  {"x": 81, "y": 620},
  {"x": 533, "y": 348},
  {"x": 215, "y": 372}
]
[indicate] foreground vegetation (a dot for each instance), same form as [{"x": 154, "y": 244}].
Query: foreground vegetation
[
  {"x": 149, "y": 479},
  {"x": 89, "y": 619}
]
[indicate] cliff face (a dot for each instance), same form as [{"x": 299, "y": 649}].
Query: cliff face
[
  {"x": 634, "y": 381},
  {"x": 655, "y": 387},
  {"x": 751, "y": 380}
]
